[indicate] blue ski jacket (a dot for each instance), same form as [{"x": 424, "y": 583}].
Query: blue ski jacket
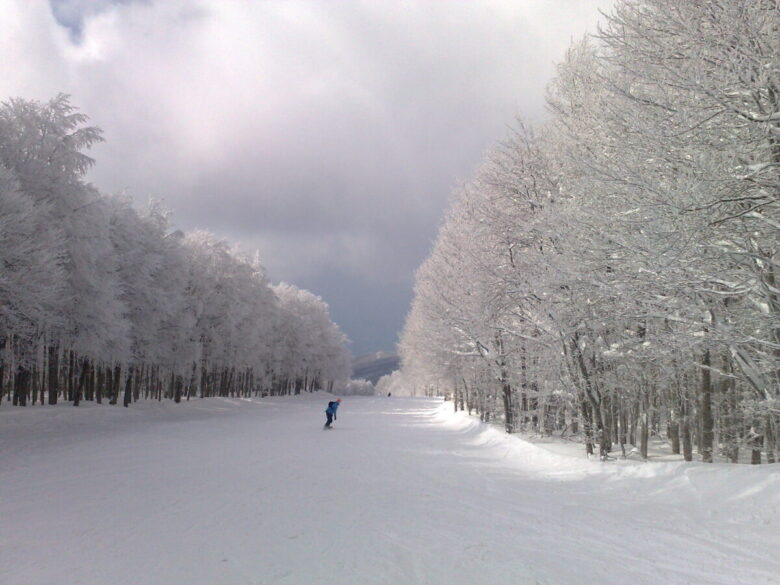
[{"x": 332, "y": 407}]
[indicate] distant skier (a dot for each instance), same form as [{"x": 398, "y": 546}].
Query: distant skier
[{"x": 330, "y": 412}]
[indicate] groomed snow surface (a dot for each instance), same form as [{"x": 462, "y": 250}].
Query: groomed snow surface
[{"x": 401, "y": 491}]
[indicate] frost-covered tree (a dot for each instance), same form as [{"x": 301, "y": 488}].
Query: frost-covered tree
[
  {"x": 628, "y": 254},
  {"x": 31, "y": 279},
  {"x": 100, "y": 300},
  {"x": 359, "y": 387},
  {"x": 32, "y": 282},
  {"x": 311, "y": 352},
  {"x": 42, "y": 145}
]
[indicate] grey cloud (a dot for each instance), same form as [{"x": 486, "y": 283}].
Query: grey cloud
[{"x": 329, "y": 134}]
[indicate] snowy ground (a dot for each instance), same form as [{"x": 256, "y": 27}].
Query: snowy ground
[{"x": 401, "y": 492}]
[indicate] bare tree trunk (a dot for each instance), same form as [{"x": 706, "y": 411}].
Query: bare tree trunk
[
  {"x": 101, "y": 379},
  {"x": 593, "y": 396},
  {"x": 729, "y": 416},
  {"x": 606, "y": 415},
  {"x": 2, "y": 368},
  {"x": 203, "y": 381},
  {"x": 193, "y": 380},
  {"x": 523, "y": 388},
  {"x": 769, "y": 439},
  {"x": 128, "y": 387},
  {"x": 71, "y": 382},
  {"x": 685, "y": 429},
  {"x": 82, "y": 381},
  {"x": 21, "y": 386},
  {"x": 755, "y": 451},
  {"x": 91, "y": 381},
  {"x": 177, "y": 383},
  {"x": 139, "y": 381},
  {"x": 116, "y": 381},
  {"x": 506, "y": 395},
  {"x": 705, "y": 410},
  {"x": 34, "y": 384},
  {"x": 644, "y": 426},
  {"x": 587, "y": 426},
  {"x": 674, "y": 429}
]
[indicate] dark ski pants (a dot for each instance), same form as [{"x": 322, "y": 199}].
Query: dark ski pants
[{"x": 330, "y": 418}]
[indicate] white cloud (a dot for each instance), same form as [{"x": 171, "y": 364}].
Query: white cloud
[{"x": 34, "y": 49}]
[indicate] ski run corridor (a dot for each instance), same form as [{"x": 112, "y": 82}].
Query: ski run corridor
[{"x": 401, "y": 492}]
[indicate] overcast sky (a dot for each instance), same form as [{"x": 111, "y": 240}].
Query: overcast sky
[{"x": 328, "y": 134}]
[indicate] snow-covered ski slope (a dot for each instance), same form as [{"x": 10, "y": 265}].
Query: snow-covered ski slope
[{"x": 402, "y": 492}]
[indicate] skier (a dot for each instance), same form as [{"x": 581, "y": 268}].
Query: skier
[{"x": 330, "y": 412}]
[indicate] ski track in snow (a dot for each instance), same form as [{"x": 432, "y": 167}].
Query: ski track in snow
[{"x": 401, "y": 492}]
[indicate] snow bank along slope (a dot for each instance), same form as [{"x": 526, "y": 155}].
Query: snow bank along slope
[{"x": 402, "y": 492}]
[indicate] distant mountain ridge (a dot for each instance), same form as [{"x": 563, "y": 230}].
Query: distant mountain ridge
[{"x": 373, "y": 366}]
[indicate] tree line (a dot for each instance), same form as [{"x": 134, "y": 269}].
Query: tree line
[
  {"x": 614, "y": 272},
  {"x": 101, "y": 301}
]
